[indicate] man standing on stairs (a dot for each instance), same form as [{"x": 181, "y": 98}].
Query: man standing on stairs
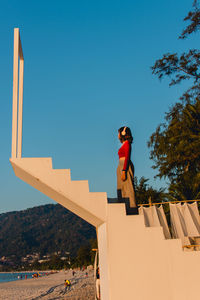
[{"x": 125, "y": 170}]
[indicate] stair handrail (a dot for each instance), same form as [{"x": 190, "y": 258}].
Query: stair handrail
[
  {"x": 168, "y": 202},
  {"x": 18, "y": 78}
]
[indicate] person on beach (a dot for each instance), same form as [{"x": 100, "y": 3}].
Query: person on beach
[
  {"x": 67, "y": 285},
  {"x": 98, "y": 284},
  {"x": 125, "y": 170}
]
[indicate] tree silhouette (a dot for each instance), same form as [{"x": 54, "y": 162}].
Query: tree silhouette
[{"x": 175, "y": 145}]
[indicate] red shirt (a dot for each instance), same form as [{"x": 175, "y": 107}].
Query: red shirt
[{"x": 125, "y": 151}]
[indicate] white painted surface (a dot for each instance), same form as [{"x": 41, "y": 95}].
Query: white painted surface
[
  {"x": 20, "y": 108},
  {"x": 136, "y": 262},
  {"x": 15, "y": 92},
  {"x": 17, "y": 97},
  {"x": 103, "y": 261},
  {"x": 56, "y": 184}
]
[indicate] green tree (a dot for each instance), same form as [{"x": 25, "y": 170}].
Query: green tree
[
  {"x": 194, "y": 19},
  {"x": 93, "y": 245},
  {"x": 185, "y": 66},
  {"x": 143, "y": 191},
  {"x": 83, "y": 256},
  {"x": 175, "y": 145},
  {"x": 185, "y": 187}
]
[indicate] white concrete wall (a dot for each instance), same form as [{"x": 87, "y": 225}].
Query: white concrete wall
[
  {"x": 136, "y": 262},
  {"x": 145, "y": 266},
  {"x": 57, "y": 184},
  {"x": 103, "y": 261}
]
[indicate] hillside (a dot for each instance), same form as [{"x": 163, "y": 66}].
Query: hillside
[{"x": 44, "y": 230}]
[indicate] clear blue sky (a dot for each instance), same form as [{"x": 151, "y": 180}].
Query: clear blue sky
[{"x": 87, "y": 73}]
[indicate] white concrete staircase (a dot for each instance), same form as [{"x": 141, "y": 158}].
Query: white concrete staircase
[
  {"x": 136, "y": 262},
  {"x": 57, "y": 184},
  {"x": 143, "y": 265},
  {"x": 129, "y": 252}
]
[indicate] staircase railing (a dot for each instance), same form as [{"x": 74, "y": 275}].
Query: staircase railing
[
  {"x": 18, "y": 78},
  {"x": 167, "y": 202}
]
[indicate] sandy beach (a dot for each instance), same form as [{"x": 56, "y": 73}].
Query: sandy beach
[{"x": 51, "y": 287}]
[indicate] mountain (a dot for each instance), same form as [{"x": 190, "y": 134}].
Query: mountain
[{"x": 43, "y": 230}]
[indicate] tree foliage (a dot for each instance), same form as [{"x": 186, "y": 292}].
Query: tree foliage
[
  {"x": 185, "y": 66},
  {"x": 44, "y": 230},
  {"x": 83, "y": 256},
  {"x": 175, "y": 145},
  {"x": 185, "y": 187},
  {"x": 143, "y": 191},
  {"x": 193, "y": 17}
]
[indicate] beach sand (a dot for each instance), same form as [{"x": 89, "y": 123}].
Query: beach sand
[{"x": 51, "y": 287}]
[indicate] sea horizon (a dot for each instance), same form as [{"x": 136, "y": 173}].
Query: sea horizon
[{"x": 14, "y": 276}]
